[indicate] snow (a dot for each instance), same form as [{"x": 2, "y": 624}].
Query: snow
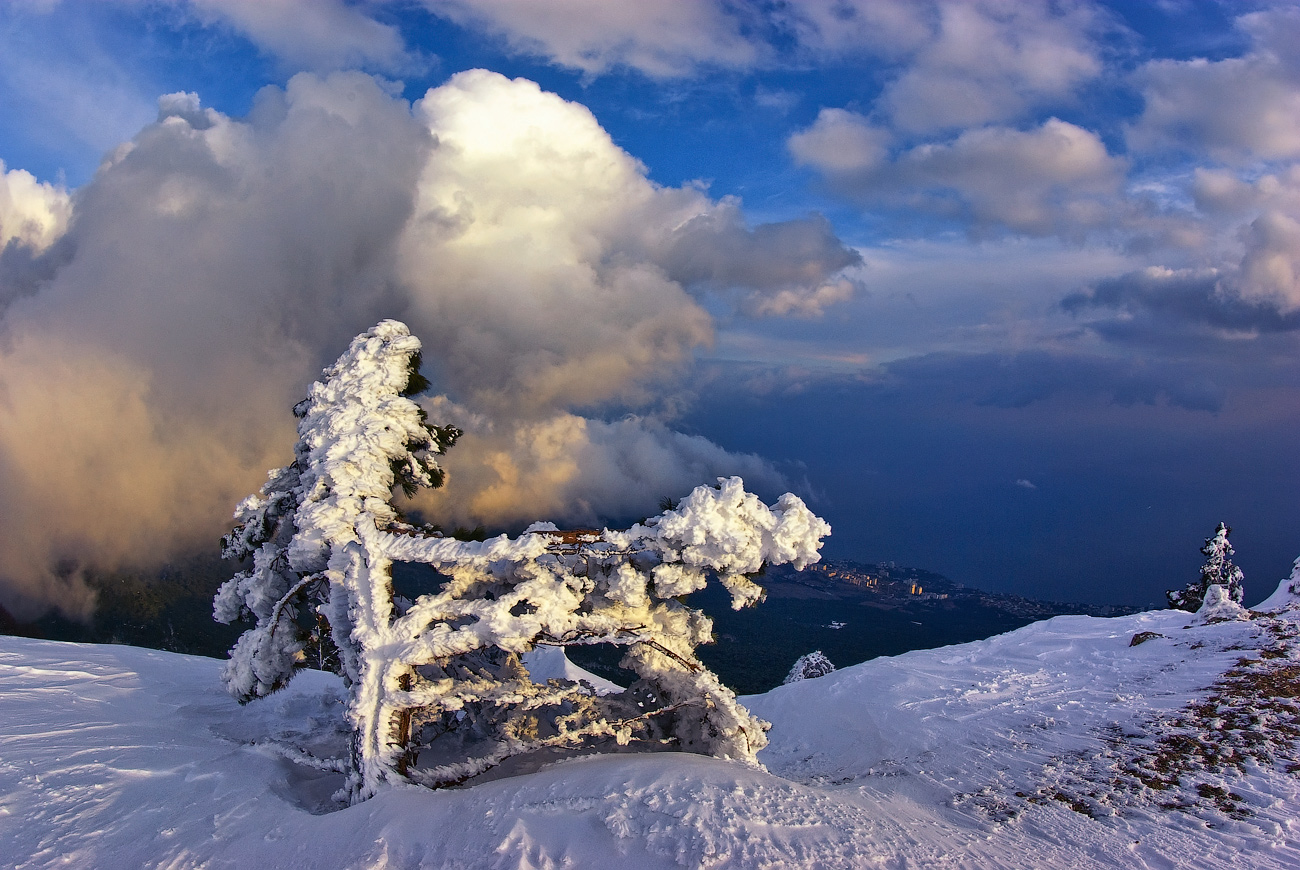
[
  {"x": 550, "y": 663},
  {"x": 121, "y": 757},
  {"x": 1218, "y": 605},
  {"x": 1287, "y": 592}
]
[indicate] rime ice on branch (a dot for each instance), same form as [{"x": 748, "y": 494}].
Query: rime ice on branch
[{"x": 438, "y": 691}]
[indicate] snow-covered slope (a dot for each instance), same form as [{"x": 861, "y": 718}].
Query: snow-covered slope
[{"x": 1055, "y": 745}]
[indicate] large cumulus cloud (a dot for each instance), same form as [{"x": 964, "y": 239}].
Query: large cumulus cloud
[{"x": 213, "y": 265}]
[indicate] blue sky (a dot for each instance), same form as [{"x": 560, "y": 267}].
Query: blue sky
[{"x": 1008, "y": 290}]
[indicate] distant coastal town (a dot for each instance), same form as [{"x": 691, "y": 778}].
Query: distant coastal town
[{"x": 903, "y": 581}]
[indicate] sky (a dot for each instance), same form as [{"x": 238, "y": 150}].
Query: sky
[{"x": 1009, "y": 291}]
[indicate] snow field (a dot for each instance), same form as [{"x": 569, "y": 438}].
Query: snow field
[{"x": 115, "y": 756}]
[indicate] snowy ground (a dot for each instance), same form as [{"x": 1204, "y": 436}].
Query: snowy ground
[{"x": 1058, "y": 745}]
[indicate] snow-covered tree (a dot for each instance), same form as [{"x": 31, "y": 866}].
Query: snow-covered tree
[
  {"x": 359, "y": 436},
  {"x": 437, "y": 689},
  {"x": 809, "y": 666},
  {"x": 1218, "y": 570}
]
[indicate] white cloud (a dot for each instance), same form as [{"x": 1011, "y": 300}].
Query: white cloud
[
  {"x": 665, "y": 38},
  {"x": 791, "y": 267},
  {"x": 804, "y": 302},
  {"x": 1270, "y": 269},
  {"x": 1224, "y": 192},
  {"x": 32, "y": 213},
  {"x": 889, "y": 28},
  {"x": 1257, "y": 218},
  {"x": 311, "y": 34},
  {"x": 963, "y": 61},
  {"x": 1054, "y": 179},
  {"x": 1239, "y": 109},
  {"x": 214, "y": 265},
  {"x": 936, "y": 296},
  {"x": 991, "y": 61},
  {"x": 530, "y": 251},
  {"x": 841, "y": 142},
  {"x": 320, "y": 35},
  {"x": 958, "y": 63},
  {"x": 537, "y": 229},
  {"x": 212, "y": 269}
]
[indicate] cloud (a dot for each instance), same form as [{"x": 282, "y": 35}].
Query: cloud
[
  {"x": 1160, "y": 300},
  {"x": 33, "y": 216},
  {"x": 791, "y": 267},
  {"x": 952, "y": 162},
  {"x": 959, "y": 62},
  {"x": 95, "y": 468},
  {"x": 888, "y": 28},
  {"x": 1239, "y": 109},
  {"x": 1223, "y": 192},
  {"x": 320, "y": 35},
  {"x": 576, "y": 471},
  {"x": 992, "y": 61},
  {"x": 1270, "y": 270},
  {"x": 208, "y": 269},
  {"x": 1257, "y": 219},
  {"x": 664, "y": 39},
  {"x": 150, "y": 356},
  {"x": 530, "y": 252},
  {"x": 842, "y": 144},
  {"x": 1025, "y": 484},
  {"x": 1054, "y": 179},
  {"x": 32, "y": 213},
  {"x": 560, "y": 268}
]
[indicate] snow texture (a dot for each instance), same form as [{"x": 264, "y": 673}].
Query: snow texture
[
  {"x": 1219, "y": 607},
  {"x": 973, "y": 756}
]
